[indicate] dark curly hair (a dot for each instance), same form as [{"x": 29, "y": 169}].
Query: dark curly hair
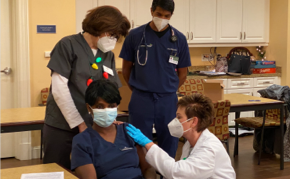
[{"x": 105, "y": 89}]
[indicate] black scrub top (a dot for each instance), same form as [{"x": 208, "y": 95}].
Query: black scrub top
[{"x": 72, "y": 58}]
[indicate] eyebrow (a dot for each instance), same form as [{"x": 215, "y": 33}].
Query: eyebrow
[{"x": 100, "y": 104}]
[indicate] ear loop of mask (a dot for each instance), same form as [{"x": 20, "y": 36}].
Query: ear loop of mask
[{"x": 187, "y": 121}]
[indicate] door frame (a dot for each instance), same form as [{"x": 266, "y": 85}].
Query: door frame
[
  {"x": 20, "y": 53},
  {"x": 20, "y": 64}
]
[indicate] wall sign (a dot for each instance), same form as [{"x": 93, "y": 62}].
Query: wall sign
[{"x": 46, "y": 29}]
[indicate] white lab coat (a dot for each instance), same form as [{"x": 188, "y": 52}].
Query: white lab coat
[{"x": 208, "y": 159}]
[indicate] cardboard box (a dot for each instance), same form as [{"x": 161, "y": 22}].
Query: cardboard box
[
  {"x": 214, "y": 89},
  {"x": 264, "y": 70},
  {"x": 125, "y": 93}
]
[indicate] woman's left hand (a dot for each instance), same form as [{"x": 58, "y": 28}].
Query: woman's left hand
[
  {"x": 118, "y": 122},
  {"x": 137, "y": 135}
]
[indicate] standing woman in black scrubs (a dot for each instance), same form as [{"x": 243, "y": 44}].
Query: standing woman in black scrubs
[{"x": 75, "y": 62}]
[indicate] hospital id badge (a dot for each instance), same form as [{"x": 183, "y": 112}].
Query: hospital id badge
[
  {"x": 108, "y": 70},
  {"x": 173, "y": 59}
]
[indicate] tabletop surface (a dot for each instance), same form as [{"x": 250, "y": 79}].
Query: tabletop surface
[
  {"x": 26, "y": 115},
  {"x": 11, "y": 173},
  {"x": 241, "y": 99},
  {"x": 18, "y": 115}
]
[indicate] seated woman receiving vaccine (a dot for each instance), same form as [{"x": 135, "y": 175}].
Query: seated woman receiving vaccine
[
  {"x": 203, "y": 155},
  {"x": 106, "y": 150}
]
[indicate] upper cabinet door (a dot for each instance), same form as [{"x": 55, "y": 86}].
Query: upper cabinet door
[
  {"x": 256, "y": 20},
  {"x": 140, "y": 12},
  {"x": 202, "y": 21},
  {"x": 180, "y": 17},
  {"x": 82, "y": 7},
  {"x": 122, "y": 5},
  {"x": 229, "y": 21}
]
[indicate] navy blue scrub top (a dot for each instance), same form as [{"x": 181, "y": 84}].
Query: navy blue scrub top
[
  {"x": 158, "y": 75},
  {"x": 118, "y": 160}
]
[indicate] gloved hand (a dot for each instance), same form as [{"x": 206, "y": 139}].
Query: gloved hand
[{"x": 137, "y": 135}]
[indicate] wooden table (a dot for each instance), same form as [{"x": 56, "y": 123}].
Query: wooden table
[
  {"x": 241, "y": 102},
  {"x": 22, "y": 119},
  {"x": 15, "y": 173},
  {"x": 29, "y": 119}
]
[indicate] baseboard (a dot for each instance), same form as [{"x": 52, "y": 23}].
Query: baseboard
[{"x": 35, "y": 153}]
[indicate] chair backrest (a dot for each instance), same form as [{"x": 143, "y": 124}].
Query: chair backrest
[
  {"x": 191, "y": 86},
  {"x": 274, "y": 116},
  {"x": 220, "y": 126}
]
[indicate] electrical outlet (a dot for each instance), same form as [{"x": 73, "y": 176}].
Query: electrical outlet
[
  {"x": 206, "y": 57},
  {"x": 47, "y": 54}
]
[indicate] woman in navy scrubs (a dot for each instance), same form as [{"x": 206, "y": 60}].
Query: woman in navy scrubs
[
  {"x": 155, "y": 60},
  {"x": 106, "y": 150}
]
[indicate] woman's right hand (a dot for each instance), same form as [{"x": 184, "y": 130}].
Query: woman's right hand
[
  {"x": 82, "y": 127},
  {"x": 137, "y": 135}
]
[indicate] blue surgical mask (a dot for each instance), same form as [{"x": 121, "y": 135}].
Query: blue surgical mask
[{"x": 104, "y": 117}]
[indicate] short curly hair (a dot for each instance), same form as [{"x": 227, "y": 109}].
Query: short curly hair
[
  {"x": 104, "y": 19},
  {"x": 105, "y": 89},
  {"x": 200, "y": 106}
]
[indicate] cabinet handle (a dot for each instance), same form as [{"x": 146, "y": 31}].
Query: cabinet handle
[
  {"x": 240, "y": 83},
  {"x": 244, "y": 35},
  {"x": 187, "y": 37},
  {"x": 266, "y": 82},
  {"x": 132, "y": 24},
  {"x": 191, "y": 36},
  {"x": 241, "y": 35}
]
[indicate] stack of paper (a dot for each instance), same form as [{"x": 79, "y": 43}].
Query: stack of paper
[{"x": 50, "y": 175}]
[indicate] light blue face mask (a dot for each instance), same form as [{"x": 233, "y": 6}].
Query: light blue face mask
[{"x": 104, "y": 117}]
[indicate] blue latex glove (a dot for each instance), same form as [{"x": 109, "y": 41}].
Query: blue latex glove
[{"x": 137, "y": 135}]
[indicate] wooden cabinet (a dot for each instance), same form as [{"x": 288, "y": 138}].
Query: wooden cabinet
[
  {"x": 122, "y": 5},
  {"x": 82, "y": 6},
  {"x": 243, "y": 21},
  {"x": 255, "y": 21},
  {"x": 229, "y": 21},
  {"x": 204, "y": 22},
  {"x": 239, "y": 83},
  {"x": 180, "y": 18},
  {"x": 140, "y": 12},
  {"x": 202, "y": 16}
]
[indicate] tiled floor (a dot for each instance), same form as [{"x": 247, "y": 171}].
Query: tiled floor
[{"x": 245, "y": 164}]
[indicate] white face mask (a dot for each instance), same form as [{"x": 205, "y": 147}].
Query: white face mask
[
  {"x": 106, "y": 44},
  {"x": 160, "y": 23},
  {"x": 176, "y": 128}
]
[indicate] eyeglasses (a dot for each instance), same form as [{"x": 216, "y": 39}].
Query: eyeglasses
[{"x": 113, "y": 36}]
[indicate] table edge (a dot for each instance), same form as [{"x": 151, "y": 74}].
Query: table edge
[{"x": 22, "y": 123}]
